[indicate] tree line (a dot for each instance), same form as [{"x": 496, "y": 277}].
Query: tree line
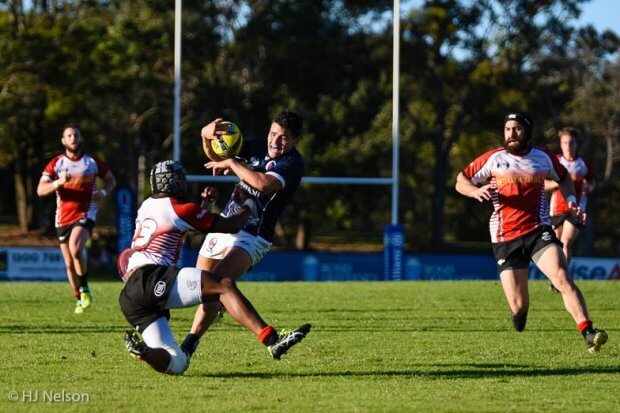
[{"x": 108, "y": 65}]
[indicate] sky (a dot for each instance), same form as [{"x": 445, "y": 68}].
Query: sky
[{"x": 602, "y": 14}]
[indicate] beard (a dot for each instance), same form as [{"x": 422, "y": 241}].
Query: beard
[
  {"x": 515, "y": 148},
  {"x": 75, "y": 148}
]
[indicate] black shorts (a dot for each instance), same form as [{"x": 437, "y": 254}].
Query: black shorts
[
  {"x": 144, "y": 296},
  {"x": 62, "y": 233},
  {"x": 558, "y": 220},
  {"x": 517, "y": 253}
]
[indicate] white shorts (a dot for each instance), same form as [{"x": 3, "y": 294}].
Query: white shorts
[
  {"x": 217, "y": 245},
  {"x": 186, "y": 290}
]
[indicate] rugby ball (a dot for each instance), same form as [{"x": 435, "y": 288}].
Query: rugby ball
[{"x": 229, "y": 144}]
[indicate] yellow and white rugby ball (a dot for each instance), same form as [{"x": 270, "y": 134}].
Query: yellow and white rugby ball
[{"x": 228, "y": 145}]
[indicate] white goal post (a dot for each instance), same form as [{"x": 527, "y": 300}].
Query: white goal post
[{"x": 393, "y": 181}]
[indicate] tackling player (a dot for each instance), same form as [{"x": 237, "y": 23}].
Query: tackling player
[
  {"x": 512, "y": 178},
  {"x": 72, "y": 176},
  {"x": 566, "y": 227},
  {"x": 269, "y": 179},
  {"x": 154, "y": 285}
]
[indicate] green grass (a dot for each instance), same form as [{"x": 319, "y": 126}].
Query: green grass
[{"x": 410, "y": 346}]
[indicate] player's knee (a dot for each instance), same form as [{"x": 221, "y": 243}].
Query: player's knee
[
  {"x": 564, "y": 284},
  {"x": 227, "y": 284},
  {"x": 76, "y": 252},
  {"x": 179, "y": 362}
]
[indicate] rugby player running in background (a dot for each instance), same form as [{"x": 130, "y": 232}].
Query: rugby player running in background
[
  {"x": 72, "y": 176},
  {"x": 154, "y": 285},
  {"x": 512, "y": 178},
  {"x": 567, "y": 227},
  {"x": 270, "y": 178}
]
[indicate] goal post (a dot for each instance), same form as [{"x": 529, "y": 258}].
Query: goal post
[{"x": 393, "y": 234}]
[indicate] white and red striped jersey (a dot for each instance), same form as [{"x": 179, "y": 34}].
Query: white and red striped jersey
[
  {"x": 161, "y": 226},
  {"x": 517, "y": 189},
  {"x": 74, "y": 200},
  {"x": 579, "y": 170}
]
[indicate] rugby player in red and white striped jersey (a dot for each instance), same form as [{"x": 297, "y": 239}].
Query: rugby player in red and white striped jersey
[
  {"x": 512, "y": 178},
  {"x": 154, "y": 284},
  {"x": 73, "y": 177},
  {"x": 581, "y": 172}
]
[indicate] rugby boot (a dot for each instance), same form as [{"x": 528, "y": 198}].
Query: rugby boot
[
  {"x": 287, "y": 339},
  {"x": 86, "y": 297},
  {"x": 595, "y": 338},
  {"x": 519, "y": 320},
  {"x": 135, "y": 345},
  {"x": 78, "y": 307}
]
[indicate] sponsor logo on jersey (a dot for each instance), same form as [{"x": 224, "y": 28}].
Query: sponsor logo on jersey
[
  {"x": 212, "y": 243},
  {"x": 160, "y": 288},
  {"x": 502, "y": 164},
  {"x": 254, "y": 161},
  {"x": 270, "y": 165},
  {"x": 546, "y": 236},
  {"x": 501, "y": 261},
  {"x": 192, "y": 284},
  {"x": 247, "y": 188},
  {"x": 519, "y": 179}
]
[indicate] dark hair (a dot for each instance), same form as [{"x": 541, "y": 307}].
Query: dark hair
[
  {"x": 569, "y": 130},
  {"x": 524, "y": 120},
  {"x": 290, "y": 120},
  {"x": 71, "y": 125}
]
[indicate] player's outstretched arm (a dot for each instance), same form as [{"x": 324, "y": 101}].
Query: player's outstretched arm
[
  {"x": 568, "y": 192},
  {"x": 260, "y": 181},
  {"x": 234, "y": 223},
  {"x": 465, "y": 187},
  {"x": 209, "y": 132},
  {"x": 109, "y": 183},
  {"x": 551, "y": 185},
  {"x": 47, "y": 186}
]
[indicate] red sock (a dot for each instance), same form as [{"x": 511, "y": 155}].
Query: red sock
[
  {"x": 267, "y": 335},
  {"x": 584, "y": 325},
  {"x": 76, "y": 292}
]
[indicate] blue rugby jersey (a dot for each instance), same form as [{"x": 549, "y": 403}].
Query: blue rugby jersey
[{"x": 288, "y": 169}]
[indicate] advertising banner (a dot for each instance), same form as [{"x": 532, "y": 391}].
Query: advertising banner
[
  {"x": 32, "y": 263},
  {"x": 125, "y": 217}
]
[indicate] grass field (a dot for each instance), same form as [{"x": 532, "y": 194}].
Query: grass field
[{"x": 410, "y": 346}]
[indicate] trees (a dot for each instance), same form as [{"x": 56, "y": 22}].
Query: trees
[{"x": 109, "y": 66}]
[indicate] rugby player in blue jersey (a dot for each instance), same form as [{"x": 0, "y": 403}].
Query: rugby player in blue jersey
[{"x": 270, "y": 179}]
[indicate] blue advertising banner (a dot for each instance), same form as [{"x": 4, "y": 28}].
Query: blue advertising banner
[
  {"x": 323, "y": 266},
  {"x": 393, "y": 251},
  {"x": 125, "y": 217}
]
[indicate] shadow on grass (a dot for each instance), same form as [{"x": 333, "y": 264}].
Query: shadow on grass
[
  {"x": 476, "y": 371},
  {"x": 56, "y": 329}
]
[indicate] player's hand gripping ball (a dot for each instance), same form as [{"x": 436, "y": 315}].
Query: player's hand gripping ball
[{"x": 229, "y": 144}]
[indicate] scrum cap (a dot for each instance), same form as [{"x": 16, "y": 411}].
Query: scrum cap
[
  {"x": 524, "y": 120},
  {"x": 168, "y": 177}
]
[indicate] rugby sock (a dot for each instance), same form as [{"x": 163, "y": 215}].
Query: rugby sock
[
  {"x": 190, "y": 344},
  {"x": 76, "y": 293},
  {"x": 585, "y": 327},
  {"x": 84, "y": 280},
  {"x": 268, "y": 336}
]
